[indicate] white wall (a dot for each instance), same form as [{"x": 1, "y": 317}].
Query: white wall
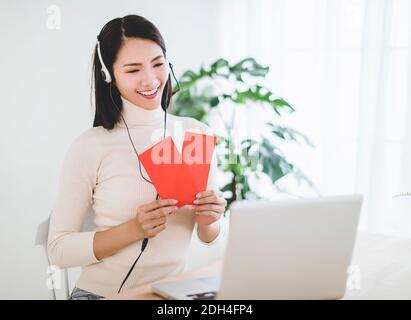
[{"x": 45, "y": 103}]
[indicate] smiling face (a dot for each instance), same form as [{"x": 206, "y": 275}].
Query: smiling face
[{"x": 141, "y": 72}]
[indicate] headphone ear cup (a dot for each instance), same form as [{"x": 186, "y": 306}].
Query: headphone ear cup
[
  {"x": 105, "y": 75},
  {"x": 104, "y": 72}
]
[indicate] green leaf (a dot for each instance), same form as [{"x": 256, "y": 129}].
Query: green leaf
[
  {"x": 289, "y": 134},
  {"x": 214, "y": 101},
  {"x": 220, "y": 63}
]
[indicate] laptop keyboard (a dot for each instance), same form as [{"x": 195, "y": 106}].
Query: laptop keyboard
[{"x": 210, "y": 295}]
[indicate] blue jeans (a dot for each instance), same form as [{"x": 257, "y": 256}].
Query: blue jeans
[{"x": 80, "y": 294}]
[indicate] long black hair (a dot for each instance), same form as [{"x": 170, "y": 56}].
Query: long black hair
[{"x": 110, "y": 38}]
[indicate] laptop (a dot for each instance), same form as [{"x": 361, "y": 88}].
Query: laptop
[{"x": 288, "y": 249}]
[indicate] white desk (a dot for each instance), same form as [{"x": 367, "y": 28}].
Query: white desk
[
  {"x": 385, "y": 267},
  {"x": 383, "y": 262}
]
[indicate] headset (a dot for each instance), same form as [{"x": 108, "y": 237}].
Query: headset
[{"x": 107, "y": 78}]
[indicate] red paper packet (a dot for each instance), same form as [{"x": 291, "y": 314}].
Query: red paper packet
[{"x": 180, "y": 176}]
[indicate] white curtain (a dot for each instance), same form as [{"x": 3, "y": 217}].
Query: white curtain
[{"x": 345, "y": 67}]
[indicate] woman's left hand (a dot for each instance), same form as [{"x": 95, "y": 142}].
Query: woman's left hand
[{"x": 209, "y": 206}]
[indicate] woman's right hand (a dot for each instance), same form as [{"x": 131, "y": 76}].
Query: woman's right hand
[{"x": 151, "y": 217}]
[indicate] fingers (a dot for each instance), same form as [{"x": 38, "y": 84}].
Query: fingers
[
  {"x": 154, "y": 226},
  {"x": 161, "y": 212},
  {"x": 151, "y": 224},
  {"x": 148, "y": 220},
  {"x": 158, "y": 204},
  {"x": 156, "y": 230},
  {"x": 209, "y": 207},
  {"x": 209, "y": 193},
  {"x": 151, "y": 218},
  {"x": 214, "y": 215},
  {"x": 210, "y": 203},
  {"x": 211, "y": 199}
]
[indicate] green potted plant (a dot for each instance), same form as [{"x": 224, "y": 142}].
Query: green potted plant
[{"x": 212, "y": 89}]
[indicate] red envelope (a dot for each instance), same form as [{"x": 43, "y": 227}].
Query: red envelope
[{"x": 180, "y": 176}]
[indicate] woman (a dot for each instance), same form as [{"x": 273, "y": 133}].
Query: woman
[{"x": 132, "y": 88}]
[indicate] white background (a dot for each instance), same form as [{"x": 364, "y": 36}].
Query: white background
[{"x": 343, "y": 64}]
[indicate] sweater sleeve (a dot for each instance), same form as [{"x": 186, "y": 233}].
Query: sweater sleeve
[
  {"x": 213, "y": 184},
  {"x": 67, "y": 246}
]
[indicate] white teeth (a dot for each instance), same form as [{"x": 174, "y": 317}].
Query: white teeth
[{"x": 148, "y": 93}]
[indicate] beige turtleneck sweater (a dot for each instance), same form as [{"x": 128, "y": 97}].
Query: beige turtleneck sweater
[{"x": 100, "y": 171}]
